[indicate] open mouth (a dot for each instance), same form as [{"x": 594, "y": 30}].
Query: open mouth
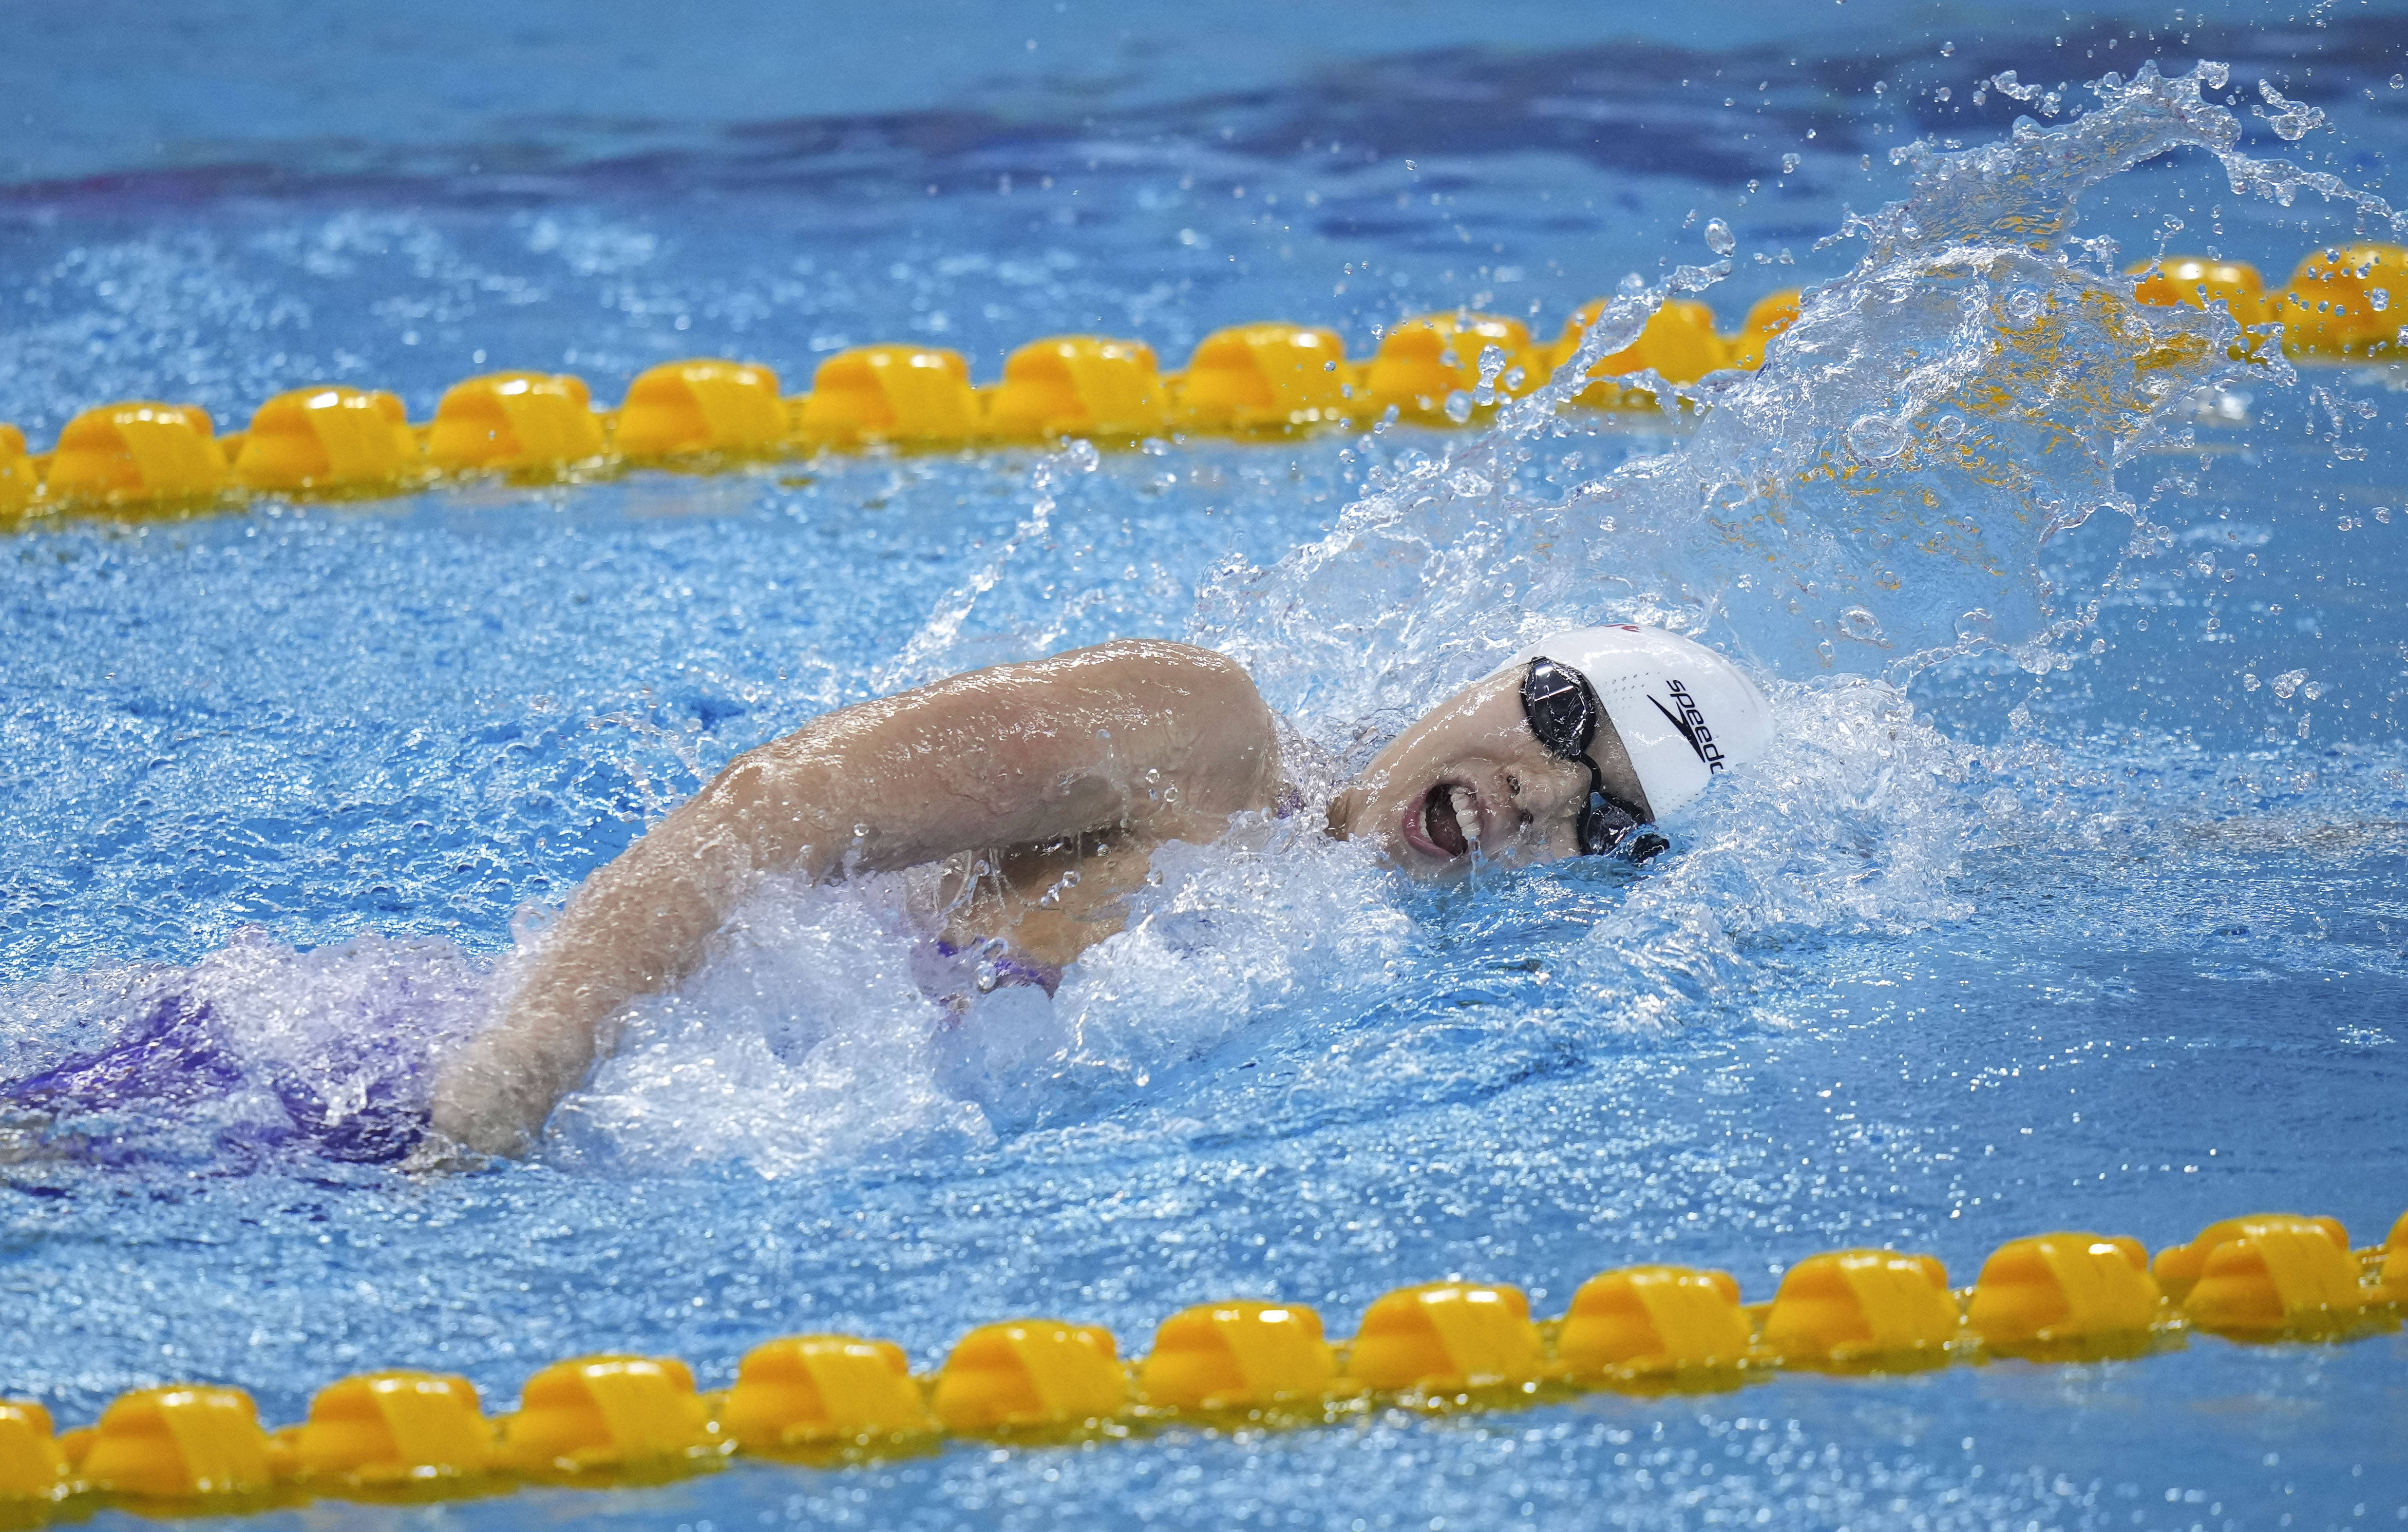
[{"x": 1442, "y": 810}]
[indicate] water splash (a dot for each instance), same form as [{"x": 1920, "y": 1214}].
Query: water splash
[{"x": 1876, "y": 498}]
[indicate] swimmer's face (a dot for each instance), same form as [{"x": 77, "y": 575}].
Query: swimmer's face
[{"x": 1468, "y": 779}]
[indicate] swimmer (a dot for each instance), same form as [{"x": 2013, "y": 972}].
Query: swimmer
[{"x": 1008, "y": 778}]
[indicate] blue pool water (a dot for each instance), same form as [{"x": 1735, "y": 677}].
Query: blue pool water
[{"x": 2052, "y": 917}]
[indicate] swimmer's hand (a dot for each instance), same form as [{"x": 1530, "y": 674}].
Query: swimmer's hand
[
  {"x": 437, "y": 1153},
  {"x": 1152, "y": 740},
  {"x": 490, "y": 1098}
]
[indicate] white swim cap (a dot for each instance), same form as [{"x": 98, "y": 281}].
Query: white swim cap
[{"x": 1683, "y": 712}]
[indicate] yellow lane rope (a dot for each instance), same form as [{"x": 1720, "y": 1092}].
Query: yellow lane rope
[
  {"x": 599, "y": 1421},
  {"x": 1271, "y": 379}
]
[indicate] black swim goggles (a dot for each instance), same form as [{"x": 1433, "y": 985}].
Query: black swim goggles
[{"x": 1563, "y": 712}]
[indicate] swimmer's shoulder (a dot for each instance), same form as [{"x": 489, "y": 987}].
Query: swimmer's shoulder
[{"x": 1205, "y": 675}]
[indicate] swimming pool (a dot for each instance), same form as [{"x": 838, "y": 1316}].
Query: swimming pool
[{"x": 2112, "y": 943}]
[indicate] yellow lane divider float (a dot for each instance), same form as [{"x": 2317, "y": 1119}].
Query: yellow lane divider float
[
  {"x": 600, "y": 1421},
  {"x": 1251, "y": 380}
]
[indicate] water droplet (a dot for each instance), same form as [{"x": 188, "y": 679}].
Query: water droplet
[
  {"x": 2379, "y": 298},
  {"x": 1947, "y": 50},
  {"x": 1789, "y": 164},
  {"x": 2025, "y": 304},
  {"x": 2287, "y": 683},
  {"x": 1875, "y": 438},
  {"x": 1070, "y": 878},
  {"x": 1459, "y": 407},
  {"x": 1719, "y": 237}
]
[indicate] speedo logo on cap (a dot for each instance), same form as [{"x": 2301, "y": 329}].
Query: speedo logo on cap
[{"x": 1691, "y": 725}]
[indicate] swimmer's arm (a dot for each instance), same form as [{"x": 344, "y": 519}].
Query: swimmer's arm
[{"x": 1159, "y": 739}]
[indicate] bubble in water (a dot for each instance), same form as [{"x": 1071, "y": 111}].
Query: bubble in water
[
  {"x": 1789, "y": 164},
  {"x": 1951, "y": 427},
  {"x": 2383, "y": 512},
  {"x": 2398, "y": 81},
  {"x": 1875, "y": 438},
  {"x": 2287, "y": 683},
  {"x": 2025, "y": 304},
  {"x": 1719, "y": 237},
  {"x": 2378, "y": 299},
  {"x": 1860, "y": 625}
]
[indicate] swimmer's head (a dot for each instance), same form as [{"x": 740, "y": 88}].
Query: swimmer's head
[{"x": 1565, "y": 749}]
